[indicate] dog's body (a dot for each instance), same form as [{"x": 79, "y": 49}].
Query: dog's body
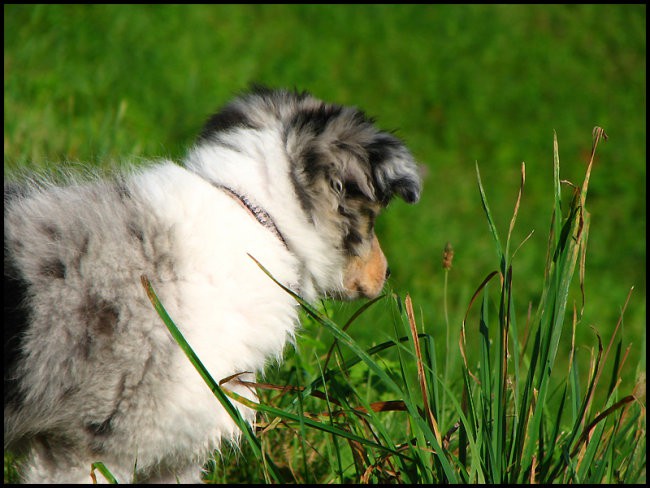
[{"x": 93, "y": 375}]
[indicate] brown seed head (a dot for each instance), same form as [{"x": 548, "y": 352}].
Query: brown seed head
[{"x": 447, "y": 256}]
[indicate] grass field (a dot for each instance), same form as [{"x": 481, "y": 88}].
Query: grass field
[{"x": 461, "y": 84}]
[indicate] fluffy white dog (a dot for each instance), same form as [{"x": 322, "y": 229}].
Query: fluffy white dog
[{"x": 91, "y": 373}]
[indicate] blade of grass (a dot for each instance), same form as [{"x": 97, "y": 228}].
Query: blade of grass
[
  {"x": 420, "y": 368},
  {"x": 349, "y": 342},
  {"x": 205, "y": 374},
  {"x": 354, "y": 316},
  {"x": 493, "y": 229},
  {"x": 99, "y": 466},
  {"x": 428, "y": 413},
  {"x": 552, "y": 311},
  {"x": 405, "y": 355}
]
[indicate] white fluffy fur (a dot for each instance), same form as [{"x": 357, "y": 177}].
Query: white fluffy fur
[
  {"x": 263, "y": 174},
  {"x": 231, "y": 313}
]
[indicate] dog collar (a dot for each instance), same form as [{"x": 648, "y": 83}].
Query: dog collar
[{"x": 259, "y": 213}]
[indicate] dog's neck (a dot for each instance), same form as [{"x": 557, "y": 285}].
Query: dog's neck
[
  {"x": 266, "y": 178},
  {"x": 256, "y": 211}
]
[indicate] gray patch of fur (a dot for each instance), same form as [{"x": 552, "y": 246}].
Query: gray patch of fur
[{"x": 90, "y": 277}]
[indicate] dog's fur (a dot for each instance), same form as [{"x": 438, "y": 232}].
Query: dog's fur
[{"x": 91, "y": 373}]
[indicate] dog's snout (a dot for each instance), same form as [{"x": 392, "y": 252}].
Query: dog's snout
[
  {"x": 387, "y": 272},
  {"x": 365, "y": 275}
]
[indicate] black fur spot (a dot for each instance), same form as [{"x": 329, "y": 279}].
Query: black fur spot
[
  {"x": 100, "y": 315},
  {"x": 14, "y": 190},
  {"x": 368, "y": 213},
  {"x": 315, "y": 120},
  {"x": 99, "y": 428},
  {"x": 14, "y": 325},
  {"x": 314, "y": 166},
  {"x": 406, "y": 188},
  {"x": 53, "y": 269},
  {"x": 51, "y": 232},
  {"x": 304, "y": 197},
  {"x": 106, "y": 320},
  {"x": 352, "y": 240},
  {"x": 382, "y": 148},
  {"x": 136, "y": 231},
  {"x": 122, "y": 191},
  {"x": 352, "y": 190},
  {"x": 228, "y": 118}
]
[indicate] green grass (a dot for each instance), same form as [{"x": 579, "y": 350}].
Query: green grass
[
  {"x": 504, "y": 424},
  {"x": 462, "y": 84},
  {"x": 391, "y": 413}
]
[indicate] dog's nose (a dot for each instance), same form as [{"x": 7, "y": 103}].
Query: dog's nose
[{"x": 387, "y": 272}]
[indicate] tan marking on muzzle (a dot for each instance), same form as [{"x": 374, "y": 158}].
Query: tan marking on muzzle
[{"x": 365, "y": 275}]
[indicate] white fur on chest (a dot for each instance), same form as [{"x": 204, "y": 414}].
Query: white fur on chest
[{"x": 235, "y": 318}]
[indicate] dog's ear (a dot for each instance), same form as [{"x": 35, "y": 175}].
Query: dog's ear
[
  {"x": 343, "y": 145},
  {"x": 378, "y": 168},
  {"x": 394, "y": 171}
]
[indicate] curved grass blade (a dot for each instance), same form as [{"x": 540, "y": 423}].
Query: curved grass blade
[
  {"x": 325, "y": 427},
  {"x": 349, "y": 342},
  {"x": 205, "y": 374},
  {"x": 354, "y": 316}
]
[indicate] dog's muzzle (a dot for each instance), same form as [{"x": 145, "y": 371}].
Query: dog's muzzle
[{"x": 365, "y": 275}]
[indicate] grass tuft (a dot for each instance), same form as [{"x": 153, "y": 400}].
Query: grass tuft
[
  {"x": 516, "y": 418},
  {"x": 511, "y": 413}
]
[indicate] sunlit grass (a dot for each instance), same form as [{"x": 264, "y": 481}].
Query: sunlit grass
[
  {"x": 104, "y": 84},
  {"x": 510, "y": 412},
  {"x": 516, "y": 417}
]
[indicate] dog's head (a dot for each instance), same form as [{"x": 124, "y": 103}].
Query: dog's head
[{"x": 343, "y": 169}]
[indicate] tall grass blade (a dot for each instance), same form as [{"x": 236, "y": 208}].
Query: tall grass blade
[
  {"x": 223, "y": 394},
  {"x": 389, "y": 382},
  {"x": 420, "y": 368},
  {"x": 568, "y": 240},
  {"x": 234, "y": 413},
  {"x": 493, "y": 228}
]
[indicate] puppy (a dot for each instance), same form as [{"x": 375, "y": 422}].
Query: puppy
[{"x": 91, "y": 373}]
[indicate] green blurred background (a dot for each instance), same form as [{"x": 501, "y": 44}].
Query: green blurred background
[{"x": 460, "y": 84}]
